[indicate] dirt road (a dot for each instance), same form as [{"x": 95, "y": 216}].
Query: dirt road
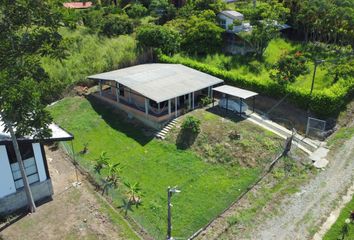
[
  {"x": 74, "y": 213},
  {"x": 303, "y": 212}
]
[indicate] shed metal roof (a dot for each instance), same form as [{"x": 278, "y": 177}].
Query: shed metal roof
[
  {"x": 235, "y": 91},
  {"x": 58, "y": 134},
  {"x": 160, "y": 82},
  {"x": 232, "y": 14}
]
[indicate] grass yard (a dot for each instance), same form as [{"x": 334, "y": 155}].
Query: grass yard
[
  {"x": 207, "y": 188},
  {"x": 249, "y": 67},
  {"x": 335, "y": 232}
]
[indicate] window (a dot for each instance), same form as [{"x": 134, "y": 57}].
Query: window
[
  {"x": 223, "y": 23},
  {"x": 29, "y": 162}
]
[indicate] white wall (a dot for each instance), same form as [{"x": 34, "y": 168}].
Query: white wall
[
  {"x": 228, "y": 20},
  {"x": 7, "y": 185},
  {"x": 39, "y": 161}
]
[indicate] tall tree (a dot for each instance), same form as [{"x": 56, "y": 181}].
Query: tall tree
[{"x": 28, "y": 31}]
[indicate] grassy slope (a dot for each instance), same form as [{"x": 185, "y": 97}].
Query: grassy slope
[
  {"x": 247, "y": 67},
  {"x": 206, "y": 188},
  {"x": 335, "y": 231},
  {"x": 89, "y": 54}
]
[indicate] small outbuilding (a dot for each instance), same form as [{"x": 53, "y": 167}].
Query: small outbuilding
[
  {"x": 12, "y": 193},
  {"x": 155, "y": 93}
]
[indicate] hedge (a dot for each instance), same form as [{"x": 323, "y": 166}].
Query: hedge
[{"x": 324, "y": 102}]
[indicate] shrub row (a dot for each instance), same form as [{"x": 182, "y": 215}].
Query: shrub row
[{"x": 322, "y": 102}]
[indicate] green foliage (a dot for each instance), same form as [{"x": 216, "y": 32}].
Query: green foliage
[
  {"x": 201, "y": 34},
  {"x": 192, "y": 124},
  {"x": 114, "y": 25},
  {"x": 28, "y": 31},
  {"x": 289, "y": 67},
  {"x": 133, "y": 192},
  {"x": 86, "y": 55},
  {"x": 162, "y": 9},
  {"x": 340, "y": 229},
  {"x": 158, "y": 37},
  {"x": 323, "y": 102},
  {"x": 205, "y": 101},
  {"x": 215, "y": 5},
  {"x": 137, "y": 10},
  {"x": 101, "y": 162}
]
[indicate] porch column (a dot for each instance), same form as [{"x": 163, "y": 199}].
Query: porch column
[
  {"x": 241, "y": 106},
  {"x": 130, "y": 96},
  {"x": 209, "y": 91},
  {"x": 146, "y": 107},
  {"x": 176, "y": 107},
  {"x": 169, "y": 106},
  {"x": 111, "y": 85},
  {"x": 100, "y": 86},
  {"x": 192, "y": 100},
  {"x": 189, "y": 101},
  {"x": 117, "y": 91},
  {"x": 158, "y": 107}
]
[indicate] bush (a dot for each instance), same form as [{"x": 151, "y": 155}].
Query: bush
[
  {"x": 323, "y": 102},
  {"x": 192, "y": 124},
  {"x": 114, "y": 25},
  {"x": 137, "y": 10},
  {"x": 205, "y": 101}
]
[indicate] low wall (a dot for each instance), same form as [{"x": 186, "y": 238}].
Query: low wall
[
  {"x": 149, "y": 120},
  {"x": 18, "y": 200}
]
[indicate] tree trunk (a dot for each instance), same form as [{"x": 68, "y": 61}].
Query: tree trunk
[{"x": 30, "y": 201}]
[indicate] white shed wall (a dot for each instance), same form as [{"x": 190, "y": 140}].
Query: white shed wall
[
  {"x": 7, "y": 184},
  {"x": 39, "y": 161}
]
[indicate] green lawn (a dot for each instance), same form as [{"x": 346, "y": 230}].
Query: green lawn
[
  {"x": 207, "y": 188},
  {"x": 335, "y": 231},
  {"x": 250, "y": 67}
]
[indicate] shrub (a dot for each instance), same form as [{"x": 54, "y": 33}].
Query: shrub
[
  {"x": 114, "y": 25},
  {"x": 137, "y": 10},
  {"x": 205, "y": 101},
  {"x": 192, "y": 124}
]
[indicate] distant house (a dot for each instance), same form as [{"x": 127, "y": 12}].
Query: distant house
[
  {"x": 155, "y": 93},
  {"x": 12, "y": 193},
  {"x": 77, "y": 5},
  {"x": 235, "y": 25}
]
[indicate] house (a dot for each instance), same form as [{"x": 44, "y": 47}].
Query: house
[
  {"x": 236, "y": 26},
  {"x": 155, "y": 93},
  {"x": 77, "y": 5},
  {"x": 12, "y": 193}
]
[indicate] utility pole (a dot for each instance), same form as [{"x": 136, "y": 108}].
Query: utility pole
[
  {"x": 317, "y": 62},
  {"x": 170, "y": 191}
]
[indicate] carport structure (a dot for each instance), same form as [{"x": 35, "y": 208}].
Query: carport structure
[{"x": 240, "y": 93}]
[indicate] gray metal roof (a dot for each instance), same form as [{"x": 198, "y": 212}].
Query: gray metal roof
[
  {"x": 160, "y": 82},
  {"x": 58, "y": 134},
  {"x": 234, "y": 91},
  {"x": 232, "y": 14}
]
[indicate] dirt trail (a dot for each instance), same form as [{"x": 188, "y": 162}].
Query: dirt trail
[
  {"x": 74, "y": 213},
  {"x": 304, "y": 211}
]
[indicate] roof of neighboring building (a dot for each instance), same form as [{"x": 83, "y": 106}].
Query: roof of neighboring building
[
  {"x": 235, "y": 91},
  {"x": 58, "y": 134},
  {"x": 232, "y": 14},
  {"x": 160, "y": 82},
  {"x": 78, "y": 5}
]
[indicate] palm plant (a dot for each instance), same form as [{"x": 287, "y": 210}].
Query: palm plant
[
  {"x": 133, "y": 192},
  {"x": 101, "y": 162},
  {"x": 111, "y": 181}
]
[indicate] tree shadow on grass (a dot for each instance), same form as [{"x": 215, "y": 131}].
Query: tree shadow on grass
[
  {"x": 119, "y": 121},
  {"x": 185, "y": 139},
  {"x": 230, "y": 115}
]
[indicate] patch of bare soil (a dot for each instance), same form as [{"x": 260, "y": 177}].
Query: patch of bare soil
[{"x": 74, "y": 213}]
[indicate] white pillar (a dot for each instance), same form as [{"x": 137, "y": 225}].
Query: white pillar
[
  {"x": 7, "y": 184},
  {"x": 117, "y": 93},
  {"x": 209, "y": 91},
  {"x": 176, "y": 107},
  {"x": 100, "y": 86},
  {"x": 158, "y": 107},
  {"x": 169, "y": 106},
  {"x": 146, "y": 106},
  {"x": 130, "y": 96},
  {"x": 189, "y": 101},
  {"x": 39, "y": 161},
  {"x": 192, "y": 100}
]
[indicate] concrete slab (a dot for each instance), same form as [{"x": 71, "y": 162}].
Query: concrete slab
[
  {"x": 319, "y": 153},
  {"x": 321, "y": 163}
]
